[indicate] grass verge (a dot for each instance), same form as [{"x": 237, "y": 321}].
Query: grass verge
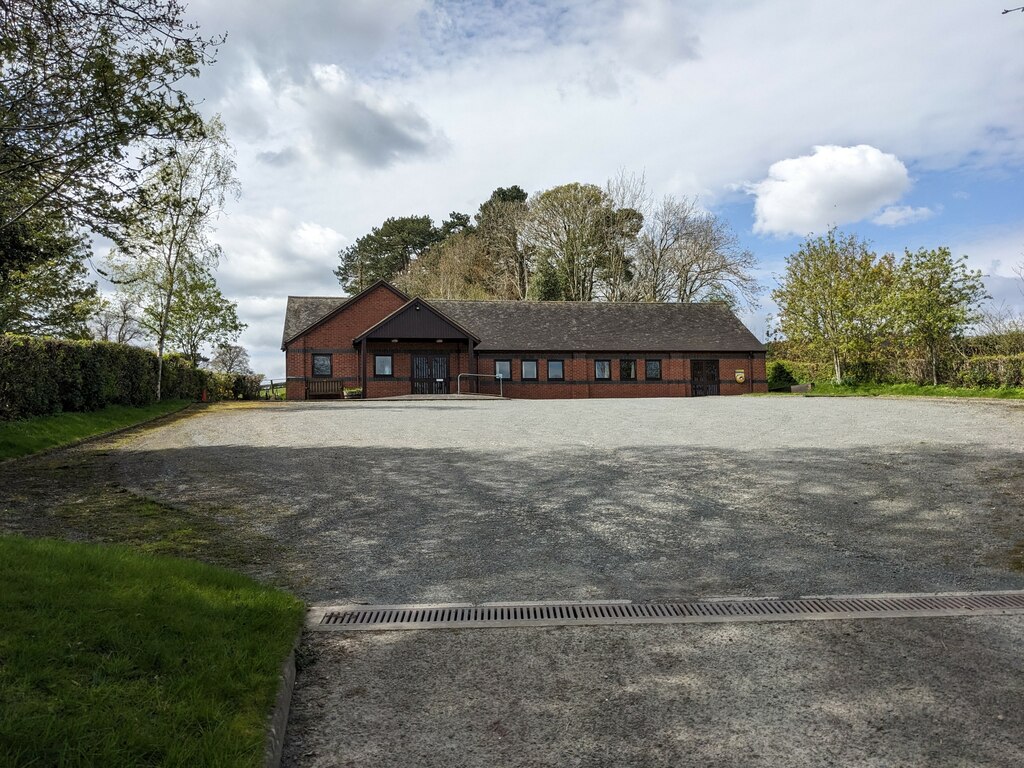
[
  {"x": 827, "y": 389},
  {"x": 111, "y": 657},
  {"x": 21, "y": 438}
]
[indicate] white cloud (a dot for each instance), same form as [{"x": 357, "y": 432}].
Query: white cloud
[
  {"x": 998, "y": 253},
  {"x": 425, "y": 106},
  {"x": 832, "y": 186},
  {"x": 901, "y": 215},
  {"x": 276, "y": 253}
]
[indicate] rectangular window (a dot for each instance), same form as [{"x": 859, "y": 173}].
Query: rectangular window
[
  {"x": 556, "y": 370},
  {"x": 627, "y": 370},
  {"x": 503, "y": 369},
  {"x": 382, "y": 366},
  {"x": 529, "y": 370},
  {"x": 653, "y": 370},
  {"x": 602, "y": 369},
  {"x": 321, "y": 365}
]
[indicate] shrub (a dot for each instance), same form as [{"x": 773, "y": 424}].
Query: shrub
[
  {"x": 779, "y": 376},
  {"x": 40, "y": 376},
  {"x": 990, "y": 371},
  {"x": 802, "y": 373}
]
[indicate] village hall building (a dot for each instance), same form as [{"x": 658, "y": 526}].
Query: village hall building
[{"x": 388, "y": 344}]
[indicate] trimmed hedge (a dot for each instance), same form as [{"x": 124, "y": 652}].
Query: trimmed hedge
[
  {"x": 990, "y": 371},
  {"x": 799, "y": 372},
  {"x": 41, "y": 376},
  {"x": 978, "y": 371}
]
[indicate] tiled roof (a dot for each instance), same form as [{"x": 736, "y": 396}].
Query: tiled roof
[
  {"x": 303, "y": 311},
  {"x": 601, "y": 326},
  {"x": 570, "y": 325}
]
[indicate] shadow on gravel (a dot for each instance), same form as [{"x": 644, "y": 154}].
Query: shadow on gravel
[
  {"x": 905, "y": 692},
  {"x": 390, "y": 525}
]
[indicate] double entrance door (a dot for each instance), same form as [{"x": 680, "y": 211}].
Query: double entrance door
[
  {"x": 430, "y": 374},
  {"x": 704, "y": 377}
]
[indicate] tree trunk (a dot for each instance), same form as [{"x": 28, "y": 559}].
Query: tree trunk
[
  {"x": 838, "y": 366},
  {"x": 159, "y": 366},
  {"x": 935, "y": 366}
]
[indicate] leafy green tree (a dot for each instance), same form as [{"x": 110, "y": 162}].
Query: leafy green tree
[
  {"x": 616, "y": 273},
  {"x": 52, "y": 295},
  {"x": 385, "y": 252},
  {"x": 547, "y": 283},
  {"x": 456, "y": 224},
  {"x": 577, "y": 229},
  {"x": 499, "y": 224},
  {"x": 833, "y": 300},
  {"x": 937, "y": 299},
  {"x": 169, "y": 236},
  {"x": 83, "y": 83},
  {"x": 454, "y": 268},
  {"x": 200, "y": 316}
]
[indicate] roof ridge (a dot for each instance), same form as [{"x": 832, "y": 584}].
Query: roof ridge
[{"x": 588, "y": 303}]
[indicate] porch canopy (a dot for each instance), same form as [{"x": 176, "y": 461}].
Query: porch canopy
[{"x": 417, "y": 321}]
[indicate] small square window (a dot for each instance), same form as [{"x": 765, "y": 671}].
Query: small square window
[
  {"x": 627, "y": 370},
  {"x": 321, "y": 365},
  {"x": 503, "y": 369},
  {"x": 529, "y": 370},
  {"x": 382, "y": 365},
  {"x": 602, "y": 369},
  {"x": 556, "y": 370},
  {"x": 653, "y": 370}
]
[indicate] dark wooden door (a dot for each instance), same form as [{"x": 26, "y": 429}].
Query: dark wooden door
[
  {"x": 430, "y": 374},
  {"x": 704, "y": 377}
]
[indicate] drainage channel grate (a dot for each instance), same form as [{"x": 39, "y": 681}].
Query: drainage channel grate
[{"x": 494, "y": 615}]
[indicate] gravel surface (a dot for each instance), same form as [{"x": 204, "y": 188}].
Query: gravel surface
[
  {"x": 906, "y": 692},
  {"x": 620, "y": 499}
]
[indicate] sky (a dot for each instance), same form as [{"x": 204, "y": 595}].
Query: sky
[{"x": 901, "y": 121}]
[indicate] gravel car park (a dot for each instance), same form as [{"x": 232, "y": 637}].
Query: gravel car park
[
  {"x": 489, "y": 500},
  {"x": 440, "y": 501}
]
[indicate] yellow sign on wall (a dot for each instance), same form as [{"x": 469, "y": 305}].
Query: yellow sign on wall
[{"x": 741, "y": 376}]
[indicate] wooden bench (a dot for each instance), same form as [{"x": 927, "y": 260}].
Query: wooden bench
[{"x": 325, "y": 387}]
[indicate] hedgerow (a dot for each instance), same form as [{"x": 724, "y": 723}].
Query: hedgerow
[{"x": 41, "y": 376}]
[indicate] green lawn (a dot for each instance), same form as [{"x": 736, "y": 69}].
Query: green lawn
[
  {"x": 831, "y": 390},
  {"x": 110, "y": 657},
  {"x": 20, "y": 438}
]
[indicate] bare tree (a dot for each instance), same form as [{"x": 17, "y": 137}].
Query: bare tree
[
  {"x": 231, "y": 358},
  {"x": 117, "y": 320},
  {"x": 666, "y": 229},
  {"x": 710, "y": 264}
]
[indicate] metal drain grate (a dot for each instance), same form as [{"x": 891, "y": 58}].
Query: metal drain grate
[{"x": 493, "y": 615}]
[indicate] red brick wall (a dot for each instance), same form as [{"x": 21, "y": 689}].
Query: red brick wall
[
  {"x": 336, "y": 334},
  {"x": 400, "y": 382},
  {"x": 335, "y": 337}
]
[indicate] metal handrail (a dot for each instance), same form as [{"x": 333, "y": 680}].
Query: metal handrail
[{"x": 501, "y": 379}]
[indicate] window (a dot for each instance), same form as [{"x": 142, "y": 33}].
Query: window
[
  {"x": 321, "y": 365},
  {"x": 627, "y": 370},
  {"x": 602, "y": 369},
  {"x": 556, "y": 370},
  {"x": 653, "y": 370},
  {"x": 503, "y": 369},
  {"x": 382, "y": 366},
  {"x": 529, "y": 370}
]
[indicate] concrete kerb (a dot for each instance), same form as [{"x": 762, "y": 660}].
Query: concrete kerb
[{"x": 277, "y": 720}]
